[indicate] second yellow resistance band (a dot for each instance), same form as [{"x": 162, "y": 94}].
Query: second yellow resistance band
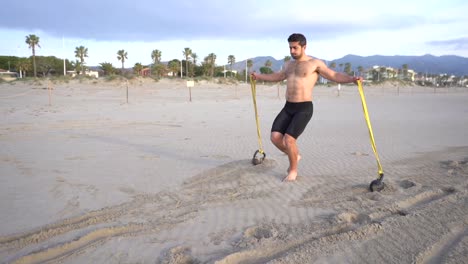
[
  {"x": 369, "y": 126},
  {"x": 254, "y": 92}
]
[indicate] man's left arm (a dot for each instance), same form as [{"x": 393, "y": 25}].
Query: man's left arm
[{"x": 334, "y": 76}]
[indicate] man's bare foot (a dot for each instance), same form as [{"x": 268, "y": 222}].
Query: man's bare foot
[
  {"x": 299, "y": 157},
  {"x": 291, "y": 176}
]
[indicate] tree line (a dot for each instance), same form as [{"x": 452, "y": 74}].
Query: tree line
[{"x": 188, "y": 67}]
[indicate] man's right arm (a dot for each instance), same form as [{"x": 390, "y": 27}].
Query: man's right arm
[{"x": 272, "y": 77}]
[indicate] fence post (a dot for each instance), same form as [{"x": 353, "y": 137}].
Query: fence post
[
  {"x": 49, "y": 88},
  {"x": 126, "y": 81},
  {"x": 190, "y": 84}
]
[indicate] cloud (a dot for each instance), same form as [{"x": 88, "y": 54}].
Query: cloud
[
  {"x": 122, "y": 20},
  {"x": 147, "y": 20},
  {"x": 456, "y": 44},
  {"x": 244, "y": 28}
]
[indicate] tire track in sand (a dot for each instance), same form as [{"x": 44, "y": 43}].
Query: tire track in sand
[
  {"x": 375, "y": 222},
  {"x": 143, "y": 214},
  {"x": 440, "y": 251},
  {"x": 332, "y": 234}
]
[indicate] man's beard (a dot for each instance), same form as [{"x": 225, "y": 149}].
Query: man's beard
[{"x": 296, "y": 56}]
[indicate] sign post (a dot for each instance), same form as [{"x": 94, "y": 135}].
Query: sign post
[{"x": 190, "y": 84}]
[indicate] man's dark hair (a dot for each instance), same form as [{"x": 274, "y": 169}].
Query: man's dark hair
[{"x": 297, "y": 37}]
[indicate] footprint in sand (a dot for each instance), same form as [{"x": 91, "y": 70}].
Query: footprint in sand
[
  {"x": 406, "y": 184},
  {"x": 255, "y": 234},
  {"x": 71, "y": 206},
  {"x": 353, "y": 217},
  {"x": 178, "y": 254},
  {"x": 357, "y": 153},
  {"x": 454, "y": 167},
  {"x": 128, "y": 190}
]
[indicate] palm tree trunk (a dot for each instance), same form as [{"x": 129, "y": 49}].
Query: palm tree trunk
[{"x": 34, "y": 61}]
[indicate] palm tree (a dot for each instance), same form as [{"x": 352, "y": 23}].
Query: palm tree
[
  {"x": 173, "y": 66},
  {"x": 206, "y": 66},
  {"x": 156, "y": 56},
  {"x": 76, "y": 65},
  {"x": 249, "y": 64},
  {"x": 187, "y": 52},
  {"x": 212, "y": 62},
  {"x": 122, "y": 56},
  {"x": 81, "y": 52},
  {"x": 332, "y": 65},
  {"x": 360, "y": 69},
  {"x": 23, "y": 65},
  {"x": 347, "y": 68},
  {"x": 194, "y": 60},
  {"x": 231, "y": 61},
  {"x": 33, "y": 41},
  {"x": 268, "y": 63}
]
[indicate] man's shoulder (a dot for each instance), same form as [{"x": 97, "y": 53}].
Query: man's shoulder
[
  {"x": 314, "y": 60},
  {"x": 309, "y": 60},
  {"x": 306, "y": 59}
]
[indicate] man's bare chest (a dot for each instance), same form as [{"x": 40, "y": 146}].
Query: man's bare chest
[{"x": 300, "y": 70}]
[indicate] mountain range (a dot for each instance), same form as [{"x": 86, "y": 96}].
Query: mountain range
[{"x": 447, "y": 64}]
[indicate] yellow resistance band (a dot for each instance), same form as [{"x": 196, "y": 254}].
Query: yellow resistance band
[
  {"x": 254, "y": 91},
  {"x": 366, "y": 115}
]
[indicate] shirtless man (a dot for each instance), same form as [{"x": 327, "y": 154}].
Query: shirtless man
[{"x": 301, "y": 75}]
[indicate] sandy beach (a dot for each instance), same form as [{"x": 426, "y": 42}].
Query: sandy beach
[{"x": 87, "y": 177}]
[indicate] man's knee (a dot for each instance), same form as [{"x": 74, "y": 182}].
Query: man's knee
[
  {"x": 276, "y": 137},
  {"x": 289, "y": 141}
]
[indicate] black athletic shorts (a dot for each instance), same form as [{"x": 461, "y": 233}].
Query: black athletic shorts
[{"x": 293, "y": 118}]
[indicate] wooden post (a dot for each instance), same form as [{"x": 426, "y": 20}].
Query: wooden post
[
  {"x": 190, "y": 84},
  {"x": 126, "y": 81},
  {"x": 50, "y": 92}
]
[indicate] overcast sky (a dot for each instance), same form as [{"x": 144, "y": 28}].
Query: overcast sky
[{"x": 242, "y": 28}]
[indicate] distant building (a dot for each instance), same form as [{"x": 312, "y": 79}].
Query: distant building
[
  {"x": 380, "y": 73},
  {"x": 145, "y": 72},
  {"x": 8, "y": 75},
  {"x": 411, "y": 74},
  {"x": 233, "y": 71},
  {"x": 94, "y": 74}
]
